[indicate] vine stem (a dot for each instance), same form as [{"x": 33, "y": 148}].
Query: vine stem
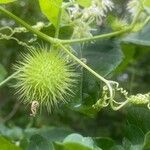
[
  {"x": 58, "y": 23},
  {"x": 81, "y": 63},
  {"x": 27, "y": 26},
  {"x": 55, "y": 40},
  {"x": 9, "y": 78},
  {"x": 88, "y": 68},
  {"x": 60, "y": 42},
  {"x": 96, "y": 37}
]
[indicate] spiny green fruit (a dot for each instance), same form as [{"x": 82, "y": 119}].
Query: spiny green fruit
[{"x": 45, "y": 77}]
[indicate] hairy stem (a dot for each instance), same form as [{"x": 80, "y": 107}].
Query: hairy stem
[
  {"x": 58, "y": 23},
  {"x": 60, "y": 42},
  {"x": 27, "y": 26},
  {"x": 82, "y": 64},
  {"x": 97, "y": 37},
  {"x": 9, "y": 78},
  {"x": 55, "y": 40}
]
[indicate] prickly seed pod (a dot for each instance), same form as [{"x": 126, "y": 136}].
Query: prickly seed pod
[{"x": 45, "y": 77}]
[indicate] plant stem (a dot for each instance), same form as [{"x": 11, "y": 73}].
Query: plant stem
[
  {"x": 27, "y": 26},
  {"x": 97, "y": 37},
  {"x": 107, "y": 35},
  {"x": 120, "y": 106},
  {"x": 58, "y": 23},
  {"x": 55, "y": 40},
  {"x": 9, "y": 78},
  {"x": 81, "y": 63},
  {"x": 60, "y": 42}
]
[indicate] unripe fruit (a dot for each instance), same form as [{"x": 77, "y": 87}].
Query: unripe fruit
[{"x": 45, "y": 77}]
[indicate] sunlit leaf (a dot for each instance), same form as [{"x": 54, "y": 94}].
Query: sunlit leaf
[
  {"x": 6, "y": 1},
  {"x": 85, "y": 3},
  {"x": 51, "y": 9},
  {"x": 76, "y": 141},
  {"x": 7, "y": 145},
  {"x": 147, "y": 3}
]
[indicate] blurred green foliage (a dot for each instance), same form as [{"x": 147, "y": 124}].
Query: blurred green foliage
[{"x": 76, "y": 125}]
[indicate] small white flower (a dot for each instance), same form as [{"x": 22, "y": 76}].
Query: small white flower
[
  {"x": 82, "y": 30},
  {"x": 133, "y": 6},
  {"x": 74, "y": 11},
  {"x": 98, "y": 10},
  {"x": 83, "y": 17}
]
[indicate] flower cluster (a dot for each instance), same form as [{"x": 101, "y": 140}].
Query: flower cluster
[
  {"x": 98, "y": 10},
  {"x": 133, "y": 6},
  {"x": 86, "y": 16}
]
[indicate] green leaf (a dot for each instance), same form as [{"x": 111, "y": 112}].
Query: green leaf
[
  {"x": 117, "y": 147},
  {"x": 77, "y": 138},
  {"x": 129, "y": 52},
  {"x": 7, "y": 145},
  {"x": 70, "y": 146},
  {"x": 134, "y": 46},
  {"x": 49, "y": 133},
  {"x": 38, "y": 142},
  {"x": 6, "y": 1},
  {"x": 134, "y": 134},
  {"x": 76, "y": 141},
  {"x": 85, "y": 3},
  {"x": 139, "y": 38},
  {"x": 103, "y": 57},
  {"x": 3, "y": 73},
  {"x": 146, "y": 145},
  {"x": 140, "y": 117},
  {"x": 147, "y": 3},
  {"x": 104, "y": 142},
  {"x": 51, "y": 9},
  {"x": 64, "y": 33}
]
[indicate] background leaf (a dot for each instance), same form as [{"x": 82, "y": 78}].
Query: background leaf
[
  {"x": 3, "y": 73},
  {"x": 38, "y": 142},
  {"x": 85, "y": 3},
  {"x": 139, "y": 38},
  {"x": 50, "y": 9},
  {"x": 146, "y": 145},
  {"x": 103, "y": 57},
  {"x": 76, "y": 141},
  {"x": 6, "y": 1}
]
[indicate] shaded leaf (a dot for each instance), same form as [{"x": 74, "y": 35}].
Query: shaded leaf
[
  {"x": 64, "y": 33},
  {"x": 3, "y": 73},
  {"x": 146, "y": 145},
  {"x": 104, "y": 143},
  {"x": 134, "y": 134},
  {"x": 49, "y": 133},
  {"x": 103, "y": 57},
  {"x": 76, "y": 141},
  {"x": 38, "y": 142},
  {"x": 140, "y": 117},
  {"x": 139, "y": 38}
]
